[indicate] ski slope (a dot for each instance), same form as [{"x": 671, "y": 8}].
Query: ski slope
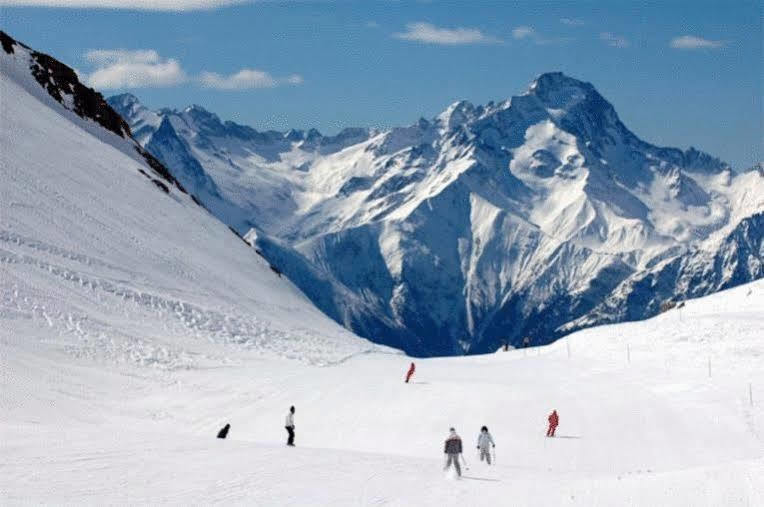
[
  {"x": 98, "y": 260},
  {"x": 654, "y": 429},
  {"x": 133, "y": 325}
]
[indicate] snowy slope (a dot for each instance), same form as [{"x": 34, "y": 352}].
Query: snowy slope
[
  {"x": 641, "y": 422},
  {"x": 133, "y": 325},
  {"x": 527, "y": 217},
  {"x": 102, "y": 257}
]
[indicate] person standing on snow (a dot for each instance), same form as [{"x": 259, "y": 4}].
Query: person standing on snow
[
  {"x": 484, "y": 444},
  {"x": 410, "y": 372},
  {"x": 554, "y": 420},
  {"x": 453, "y": 449},
  {"x": 289, "y": 425}
]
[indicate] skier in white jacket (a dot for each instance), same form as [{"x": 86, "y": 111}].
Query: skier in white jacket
[
  {"x": 289, "y": 425},
  {"x": 484, "y": 444}
]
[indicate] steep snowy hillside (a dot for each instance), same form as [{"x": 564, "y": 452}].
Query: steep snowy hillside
[
  {"x": 103, "y": 254},
  {"x": 528, "y": 217}
]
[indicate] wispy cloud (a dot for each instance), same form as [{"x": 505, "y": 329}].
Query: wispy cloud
[
  {"x": 693, "y": 42},
  {"x": 614, "y": 40},
  {"x": 572, "y": 21},
  {"x": 121, "y": 68},
  {"x": 147, "y": 5},
  {"x": 523, "y": 32},
  {"x": 530, "y": 33},
  {"x": 246, "y": 79},
  {"x": 431, "y": 34}
]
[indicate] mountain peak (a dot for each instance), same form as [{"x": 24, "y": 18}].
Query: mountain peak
[
  {"x": 456, "y": 114},
  {"x": 558, "y": 91},
  {"x": 556, "y": 80},
  {"x": 124, "y": 99},
  {"x": 196, "y": 109}
]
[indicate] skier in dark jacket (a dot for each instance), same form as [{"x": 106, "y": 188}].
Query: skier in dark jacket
[
  {"x": 453, "y": 449},
  {"x": 224, "y": 431}
]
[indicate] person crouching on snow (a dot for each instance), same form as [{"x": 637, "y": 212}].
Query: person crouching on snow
[
  {"x": 453, "y": 449},
  {"x": 484, "y": 444}
]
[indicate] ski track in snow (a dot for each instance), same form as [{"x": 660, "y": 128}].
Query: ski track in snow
[
  {"x": 648, "y": 431},
  {"x": 218, "y": 327}
]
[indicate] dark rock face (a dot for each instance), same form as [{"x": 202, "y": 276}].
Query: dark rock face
[
  {"x": 158, "y": 167},
  {"x": 60, "y": 80},
  {"x": 7, "y": 42},
  {"x": 161, "y": 186}
]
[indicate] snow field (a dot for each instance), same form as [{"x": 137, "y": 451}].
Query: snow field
[{"x": 633, "y": 433}]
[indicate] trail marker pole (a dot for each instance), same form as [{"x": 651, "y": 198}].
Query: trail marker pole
[
  {"x": 628, "y": 353},
  {"x": 750, "y": 393}
]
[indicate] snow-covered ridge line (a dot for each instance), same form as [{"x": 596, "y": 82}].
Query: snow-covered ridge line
[{"x": 527, "y": 217}]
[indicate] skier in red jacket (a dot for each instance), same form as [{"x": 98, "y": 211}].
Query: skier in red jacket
[
  {"x": 410, "y": 372},
  {"x": 554, "y": 420}
]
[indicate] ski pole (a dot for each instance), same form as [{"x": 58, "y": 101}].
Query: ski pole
[{"x": 466, "y": 466}]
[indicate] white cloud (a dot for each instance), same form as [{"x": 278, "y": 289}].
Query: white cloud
[
  {"x": 572, "y": 21},
  {"x": 523, "y": 32},
  {"x": 431, "y": 34},
  {"x": 613, "y": 40},
  {"x": 149, "y": 5},
  {"x": 693, "y": 42},
  {"x": 530, "y": 33},
  {"x": 144, "y": 68},
  {"x": 111, "y": 56},
  {"x": 122, "y": 68},
  {"x": 246, "y": 79}
]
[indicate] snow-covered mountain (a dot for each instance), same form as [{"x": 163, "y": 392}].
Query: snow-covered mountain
[
  {"x": 103, "y": 253},
  {"x": 134, "y": 325},
  {"x": 482, "y": 224}
]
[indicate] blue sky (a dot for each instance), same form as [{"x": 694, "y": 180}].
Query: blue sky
[{"x": 678, "y": 73}]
